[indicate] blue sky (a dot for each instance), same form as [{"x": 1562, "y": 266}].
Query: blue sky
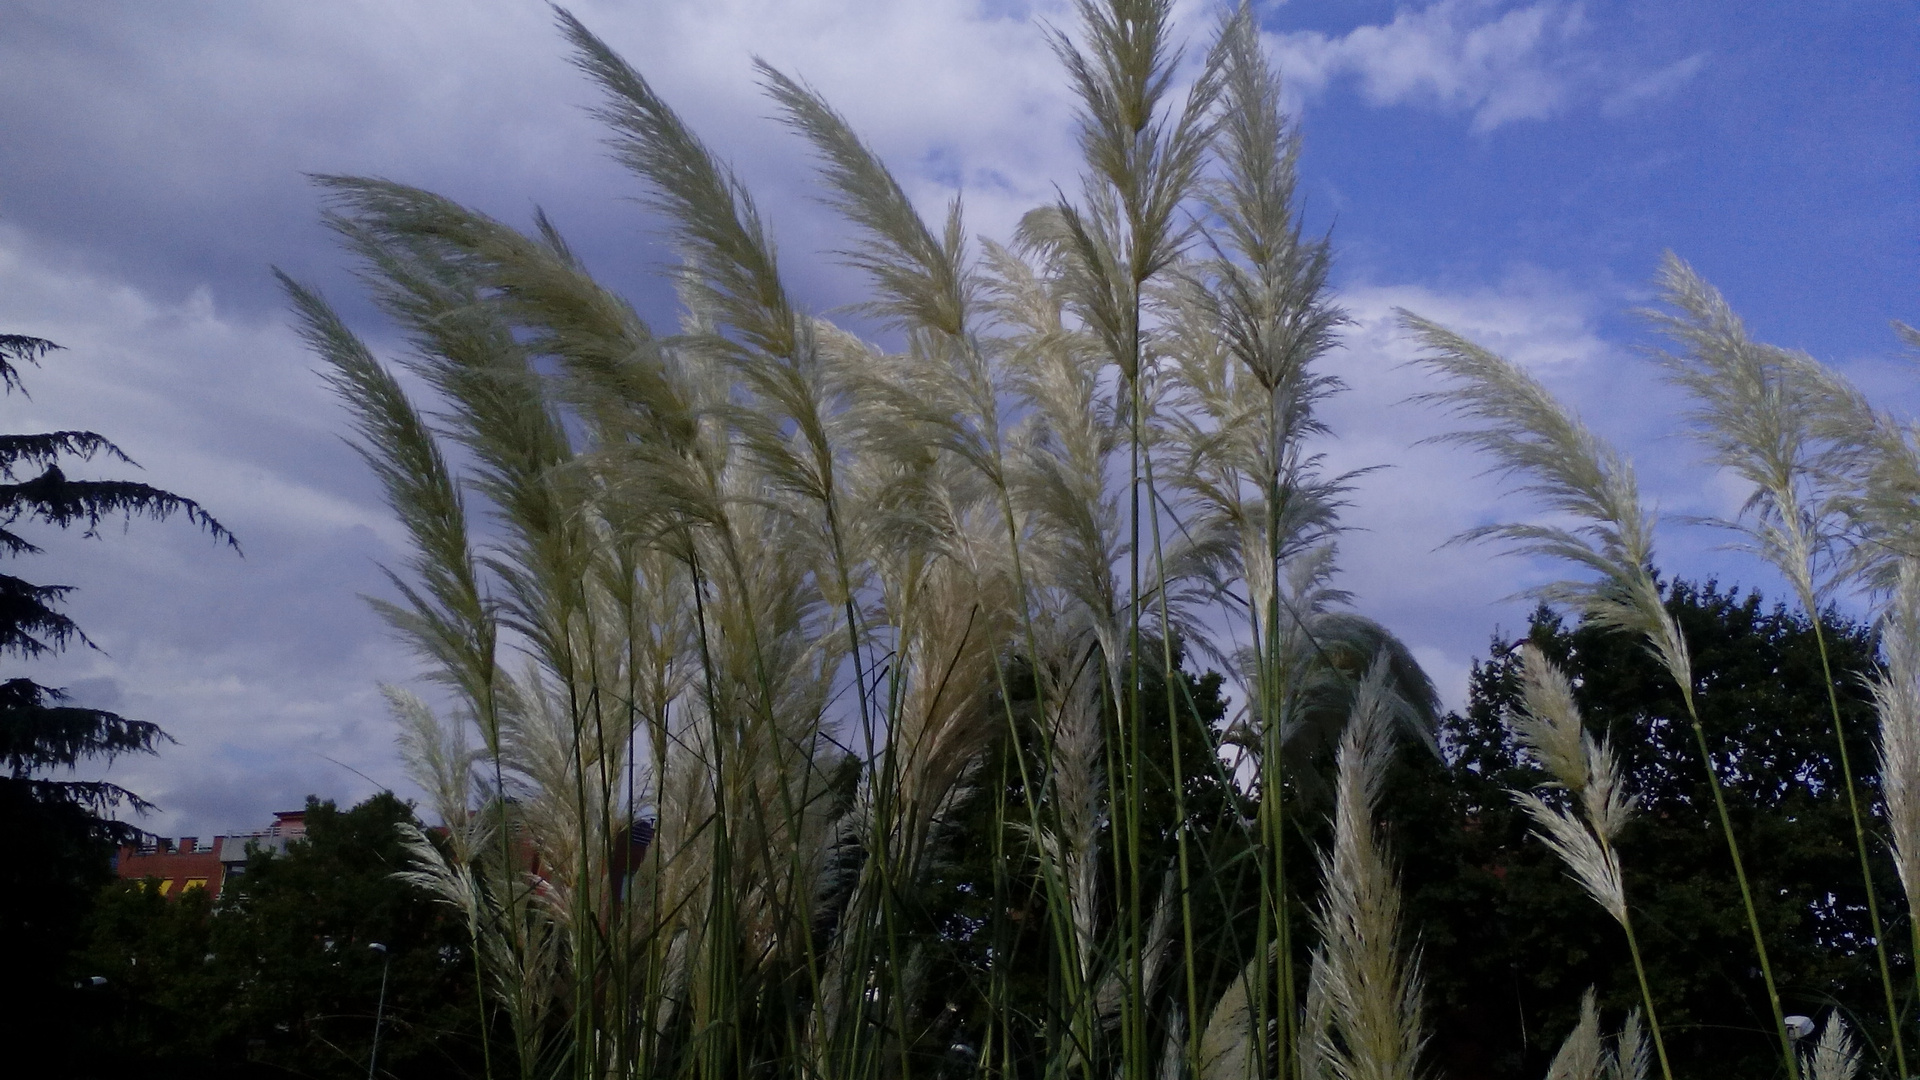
[
  {"x": 1774, "y": 146},
  {"x": 1512, "y": 169}
]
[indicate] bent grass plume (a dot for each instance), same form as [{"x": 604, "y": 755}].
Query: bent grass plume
[
  {"x": 1364, "y": 1013},
  {"x": 1548, "y": 724},
  {"x": 1754, "y": 411},
  {"x": 1558, "y": 460},
  {"x": 1585, "y": 1054},
  {"x": 1896, "y": 698}
]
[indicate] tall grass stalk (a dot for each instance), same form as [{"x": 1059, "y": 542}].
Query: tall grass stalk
[
  {"x": 1144, "y": 156},
  {"x": 1369, "y": 1017},
  {"x": 1896, "y": 698},
  {"x": 1249, "y": 327},
  {"x": 1752, "y": 413},
  {"x": 1557, "y": 459},
  {"x": 1548, "y": 724}
]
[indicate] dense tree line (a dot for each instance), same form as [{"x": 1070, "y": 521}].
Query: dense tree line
[
  {"x": 1510, "y": 941},
  {"x": 277, "y": 976}
]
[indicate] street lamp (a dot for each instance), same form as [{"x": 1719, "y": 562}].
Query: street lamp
[{"x": 386, "y": 961}]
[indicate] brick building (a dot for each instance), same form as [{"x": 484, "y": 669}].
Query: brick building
[{"x": 178, "y": 866}]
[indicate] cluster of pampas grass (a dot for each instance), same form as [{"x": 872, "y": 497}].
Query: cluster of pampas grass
[{"x": 743, "y": 616}]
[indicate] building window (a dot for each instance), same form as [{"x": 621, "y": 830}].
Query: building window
[
  {"x": 193, "y": 883},
  {"x": 166, "y": 886}
]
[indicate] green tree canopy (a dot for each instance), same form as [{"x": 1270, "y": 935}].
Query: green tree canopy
[
  {"x": 278, "y": 973},
  {"x": 1510, "y": 942}
]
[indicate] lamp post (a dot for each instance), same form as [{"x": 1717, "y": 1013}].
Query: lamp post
[{"x": 386, "y": 961}]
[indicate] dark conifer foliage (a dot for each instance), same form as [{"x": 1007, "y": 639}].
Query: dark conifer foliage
[
  {"x": 66, "y": 823},
  {"x": 39, "y": 734}
]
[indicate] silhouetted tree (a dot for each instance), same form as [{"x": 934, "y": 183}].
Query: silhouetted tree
[
  {"x": 67, "y": 823},
  {"x": 277, "y": 975},
  {"x": 1509, "y": 942}
]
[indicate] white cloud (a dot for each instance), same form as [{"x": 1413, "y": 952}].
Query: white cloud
[
  {"x": 1653, "y": 86},
  {"x": 955, "y": 95},
  {"x": 1442, "y": 599},
  {"x": 1482, "y": 58},
  {"x": 1457, "y": 56},
  {"x": 161, "y": 380}
]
